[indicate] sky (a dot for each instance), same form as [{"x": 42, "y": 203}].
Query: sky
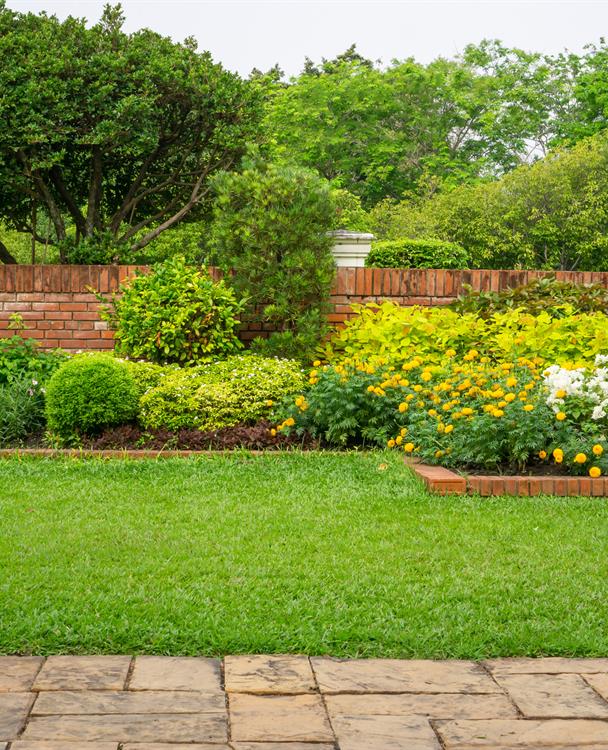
[{"x": 243, "y": 34}]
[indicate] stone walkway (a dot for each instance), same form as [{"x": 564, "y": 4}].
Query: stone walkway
[{"x": 296, "y": 703}]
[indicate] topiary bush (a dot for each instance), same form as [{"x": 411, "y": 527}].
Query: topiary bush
[
  {"x": 175, "y": 313},
  {"x": 238, "y": 390},
  {"x": 425, "y": 253},
  {"x": 89, "y": 393}
]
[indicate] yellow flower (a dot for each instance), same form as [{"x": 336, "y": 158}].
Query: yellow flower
[
  {"x": 580, "y": 458},
  {"x": 313, "y": 381},
  {"x": 560, "y": 394},
  {"x": 299, "y": 401},
  {"x": 269, "y": 402},
  {"x": 370, "y": 388},
  {"x": 398, "y": 440},
  {"x": 511, "y": 382},
  {"x": 404, "y": 383},
  {"x": 597, "y": 450},
  {"x": 509, "y": 397},
  {"x": 417, "y": 388},
  {"x": 595, "y": 472},
  {"x": 403, "y": 431},
  {"x": 498, "y": 413},
  {"x": 542, "y": 454},
  {"x": 467, "y": 411},
  {"x": 432, "y": 412},
  {"x": 501, "y": 404},
  {"x": 403, "y": 406},
  {"x": 273, "y": 432},
  {"x": 391, "y": 443},
  {"x": 426, "y": 376},
  {"x": 450, "y": 353},
  {"x": 408, "y": 447},
  {"x": 528, "y": 407},
  {"x": 290, "y": 422},
  {"x": 316, "y": 363},
  {"x": 438, "y": 454},
  {"x": 379, "y": 392},
  {"x": 440, "y": 427},
  {"x": 409, "y": 397},
  {"x": 448, "y": 428},
  {"x": 560, "y": 416},
  {"x": 313, "y": 374}
]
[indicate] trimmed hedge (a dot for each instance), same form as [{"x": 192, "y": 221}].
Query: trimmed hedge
[{"x": 425, "y": 253}]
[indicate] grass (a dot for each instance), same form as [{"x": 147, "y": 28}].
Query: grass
[{"x": 317, "y": 553}]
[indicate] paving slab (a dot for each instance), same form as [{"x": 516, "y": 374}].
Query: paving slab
[
  {"x": 83, "y": 673},
  {"x": 168, "y": 728},
  {"x": 547, "y": 665},
  {"x": 522, "y": 733},
  {"x": 14, "y": 709},
  {"x": 575, "y": 746},
  {"x": 553, "y": 695},
  {"x": 385, "y": 733},
  {"x": 599, "y": 682},
  {"x": 397, "y": 676},
  {"x": 35, "y": 745},
  {"x": 268, "y": 674},
  {"x": 280, "y": 746},
  {"x": 172, "y": 746},
  {"x": 190, "y": 673},
  {"x": 125, "y": 702},
  {"x": 18, "y": 672},
  {"x": 279, "y": 718},
  {"x": 434, "y": 705}
]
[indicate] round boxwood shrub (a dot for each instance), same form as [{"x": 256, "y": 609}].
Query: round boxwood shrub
[
  {"x": 420, "y": 253},
  {"x": 88, "y": 394}
]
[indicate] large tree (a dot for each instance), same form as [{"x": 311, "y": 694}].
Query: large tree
[{"x": 109, "y": 135}]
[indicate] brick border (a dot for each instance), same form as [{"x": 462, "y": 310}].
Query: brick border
[{"x": 445, "y": 482}]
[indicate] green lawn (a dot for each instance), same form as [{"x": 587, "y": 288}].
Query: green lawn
[{"x": 316, "y": 553}]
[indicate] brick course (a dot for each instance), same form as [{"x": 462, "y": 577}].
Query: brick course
[{"x": 59, "y": 309}]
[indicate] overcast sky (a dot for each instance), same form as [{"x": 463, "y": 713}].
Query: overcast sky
[{"x": 243, "y": 34}]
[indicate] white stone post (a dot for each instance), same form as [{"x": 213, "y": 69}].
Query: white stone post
[{"x": 351, "y": 248}]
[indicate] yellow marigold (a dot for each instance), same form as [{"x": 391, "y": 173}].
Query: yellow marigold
[
  {"x": 379, "y": 392},
  {"x": 299, "y": 401},
  {"x": 595, "y": 472},
  {"x": 403, "y": 406},
  {"x": 467, "y": 411},
  {"x": 370, "y": 370},
  {"x": 438, "y": 454},
  {"x": 447, "y": 406},
  {"x": 273, "y": 432},
  {"x": 417, "y": 388},
  {"x": 528, "y": 386},
  {"x": 448, "y": 428},
  {"x": 404, "y": 383},
  {"x": 426, "y": 376},
  {"x": 560, "y": 394},
  {"x": 313, "y": 374},
  {"x": 542, "y": 454},
  {"x": 403, "y": 431},
  {"x": 485, "y": 360},
  {"x": 313, "y": 381},
  {"x": 528, "y": 407},
  {"x": 498, "y": 413},
  {"x": 597, "y": 450},
  {"x": 558, "y": 455},
  {"x": 268, "y": 402},
  {"x": 391, "y": 443},
  {"x": 511, "y": 382},
  {"x": 408, "y": 447},
  {"x": 560, "y": 416},
  {"x": 510, "y": 397},
  {"x": 316, "y": 363},
  {"x": 409, "y": 397},
  {"x": 398, "y": 439},
  {"x": 432, "y": 412},
  {"x": 289, "y": 422},
  {"x": 580, "y": 458},
  {"x": 370, "y": 388},
  {"x": 440, "y": 427},
  {"x": 501, "y": 404},
  {"x": 421, "y": 404}
]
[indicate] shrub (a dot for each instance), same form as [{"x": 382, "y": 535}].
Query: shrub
[
  {"x": 89, "y": 393},
  {"x": 21, "y": 358},
  {"x": 388, "y": 333},
  {"x": 176, "y": 313},
  {"x": 238, "y": 390},
  {"x": 425, "y": 253},
  {"x": 269, "y": 235},
  {"x": 21, "y": 410},
  {"x": 547, "y": 294}
]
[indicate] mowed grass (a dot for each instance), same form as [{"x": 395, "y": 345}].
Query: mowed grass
[{"x": 316, "y": 553}]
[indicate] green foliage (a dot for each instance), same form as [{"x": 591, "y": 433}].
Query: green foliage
[
  {"x": 21, "y": 410},
  {"x": 427, "y": 253},
  {"x": 391, "y": 334},
  {"x": 238, "y": 390},
  {"x": 116, "y": 134},
  {"x": 558, "y": 298},
  {"x": 89, "y": 393},
  {"x": 186, "y": 239},
  {"x": 350, "y": 214},
  {"x": 552, "y": 214},
  {"x": 22, "y": 358},
  {"x": 175, "y": 313},
  {"x": 269, "y": 235}
]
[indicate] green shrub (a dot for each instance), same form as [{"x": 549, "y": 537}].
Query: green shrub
[
  {"x": 21, "y": 410},
  {"x": 408, "y": 253},
  {"x": 270, "y": 236},
  {"x": 22, "y": 358},
  {"x": 88, "y": 394},
  {"x": 146, "y": 375},
  {"x": 539, "y": 295},
  {"x": 176, "y": 313},
  {"x": 237, "y": 390}
]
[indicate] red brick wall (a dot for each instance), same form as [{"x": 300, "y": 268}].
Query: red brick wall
[{"x": 59, "y": 310}]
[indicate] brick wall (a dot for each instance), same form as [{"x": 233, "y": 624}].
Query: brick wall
[{"x": 59, "y": 310}]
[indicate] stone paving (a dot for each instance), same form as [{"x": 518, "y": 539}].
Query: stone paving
[{"x": 297, "y": 703}]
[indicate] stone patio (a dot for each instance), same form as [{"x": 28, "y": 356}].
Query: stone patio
[{"x": 297, "y": 703}]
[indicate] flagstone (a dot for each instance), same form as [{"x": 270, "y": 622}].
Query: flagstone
[
  {"x": 14, "y": 709},
  {"x": 364, "y": 732},
  {"x": 521, "y": 733},
  {"x": 278, "y": 718},
  {"x": 18, "y": 672},
  {"x": 125, "y": 702},
  {"x": 547, "y": 665},
  {"x": 191, "y": 673},
  {"x": 268, "y": 674},
  {"x": 83, "y": 673},
  {"x": 553, "y": 695}
]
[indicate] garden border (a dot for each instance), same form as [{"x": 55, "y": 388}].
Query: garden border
[{"x": 445, "y": 482}]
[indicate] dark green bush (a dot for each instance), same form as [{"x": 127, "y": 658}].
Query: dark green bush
[
  {"x": 176, "y": 313},
  {"x": 88, "y": 394},
  {"x": 559, "y": 298},
  {"x": 21, "y": 410},
  {"x": 408, "y": 253}
]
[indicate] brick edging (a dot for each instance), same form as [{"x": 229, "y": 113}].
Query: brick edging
[{"x": 445, "y": 482}]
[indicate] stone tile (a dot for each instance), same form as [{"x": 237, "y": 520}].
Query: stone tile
[
  {"x": 539, "y": 747},
  {"x": 268, "y": 674},
  {"x": 400, "y": 676},
  {"x": 83, "y": 673},
  {"x": 278, "y": 746},
  {"x": 385, "y": 733},
  {"x": 18, "y": 672},
  {"x": 176, "y": 673},
  {"x": 434, "y": 705},
  {"x": 14, "y": 708},
  {"x": 278, "y": 718},
  {"x": 148, "y": 702},
  {"x": 522, "y": 733},
  {"x": 599, "y": 682},
  {"x": 547, "y": 665},
  {"x": 35, "y": 745},
  {"x": 565, "y": 696},
  {"x": 173, "y": 746}
]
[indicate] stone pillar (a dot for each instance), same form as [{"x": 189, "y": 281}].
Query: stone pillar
[{"x": 351, "y": 248}]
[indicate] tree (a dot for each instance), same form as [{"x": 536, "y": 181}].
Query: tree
[{"x": 111, "y": 134}]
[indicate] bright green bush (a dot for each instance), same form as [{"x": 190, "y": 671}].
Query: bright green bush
[
  {"x": 21, "y": 358},
  {"x": 392, "y": 334},
  {"x": 89, "y": 393},
  {"x": 21, "y": 410},
  {"x": 424, "y": 253},
  {"x": 175, "y": 313},
  {"x": 237, "y": 390}
]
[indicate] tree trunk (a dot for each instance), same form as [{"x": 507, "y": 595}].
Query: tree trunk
[
  {"x": 92, "y": 221},
  {"x": 67, "y": 198},
  {"x": 5, "y": 255}
]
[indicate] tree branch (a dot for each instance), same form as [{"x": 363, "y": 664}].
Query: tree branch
[
  {"x": 5, "y": 256},
  {"x": 67, "y": 198},
  {"x": 95, "y": 183}
]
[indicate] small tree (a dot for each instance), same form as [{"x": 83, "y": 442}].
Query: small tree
[{"x": 269, "y": 235}]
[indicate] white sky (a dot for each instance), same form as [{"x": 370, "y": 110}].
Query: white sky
[{"x": 243, "y": 34}]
